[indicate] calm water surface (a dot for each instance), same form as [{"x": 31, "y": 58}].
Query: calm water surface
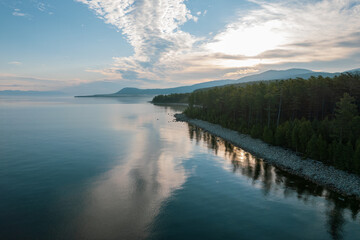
[{"x": 123, "y": 169}]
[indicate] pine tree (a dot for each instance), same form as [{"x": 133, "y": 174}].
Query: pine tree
[
  {"x": 305, "y": 133},
  {"x": 268, "y": 135},
  {"x": 339, "y": 155},
  {"x": 345, "y": 111},
  {"x": 311, "y": 148},
  {"x": 280, "y": 136},
  {"x": 256, "y": 131},
  {"x": 322, "y": 149},
  {"x": 356, "y": 158},
  {"x": 348, "y": 153},
  {"x": 295, "y": 136}
]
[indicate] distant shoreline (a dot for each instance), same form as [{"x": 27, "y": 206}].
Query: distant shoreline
[
  {"x": 113, "y": 95},
  {"x": 337, "y": 180},
  {"x": 169, "y": 104}
]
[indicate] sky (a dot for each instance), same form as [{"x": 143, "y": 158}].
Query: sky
[{"x": 50, "y": 44}]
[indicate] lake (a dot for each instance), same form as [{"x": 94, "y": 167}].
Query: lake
[{"x": 122, "y": 168}]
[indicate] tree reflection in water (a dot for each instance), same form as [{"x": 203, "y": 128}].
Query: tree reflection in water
[{"x": 274, "y": 180}]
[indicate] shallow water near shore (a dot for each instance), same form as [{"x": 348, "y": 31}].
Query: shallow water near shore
[{"x": 122, "y": 168}]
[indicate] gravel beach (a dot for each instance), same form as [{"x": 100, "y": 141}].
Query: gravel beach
[{"x": 342, "y": 182}]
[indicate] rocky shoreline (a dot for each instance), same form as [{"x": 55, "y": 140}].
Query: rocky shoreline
[{"x": 337, "y": 180}]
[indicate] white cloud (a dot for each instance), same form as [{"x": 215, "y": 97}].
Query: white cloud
[
  {"x": 41, "y": 6},
  {"x": 292, "y": 31},
  {"x": 152, "y": 27},
  {"x": 17, "y": 12},
  {"x": 241, "y": 72},
  {"x": 275, "y": 32},
  {"x": 15, "y": 63}
]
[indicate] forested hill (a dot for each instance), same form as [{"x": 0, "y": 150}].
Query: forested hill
[
  {"x": 265, "y": 76},
  {"x": 318, "y": 117},
  {"x": 268, "y": 75},
  {"x": 172, "y": 98},
  {"x": 183, "y": 89}
]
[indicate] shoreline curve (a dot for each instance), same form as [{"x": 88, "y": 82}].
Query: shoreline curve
[{"x": 334, "y": 179}]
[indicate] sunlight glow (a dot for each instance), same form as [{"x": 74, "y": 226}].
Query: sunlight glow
[
  {"x": 230, "y": 63},
  {"x": 249, "y": 40}
]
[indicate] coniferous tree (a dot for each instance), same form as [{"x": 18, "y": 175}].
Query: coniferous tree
[
  {"x": 356, "y": 158},
  {"x": 295, "y": 143},
  {"x": 322, "y": 149},
  {"x": 328, "y": 108},
  {"x": 345, "y": 111},
  {"x": 348, "y": 153},
  {"x": 305, "y": 133},
  {"x": 280, "y": 135},
  {"x": 268, "y": 135},
  {"x": 311, "y": 148}
]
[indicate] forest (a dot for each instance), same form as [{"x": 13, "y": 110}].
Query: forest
[
  {"x": 172, "y": 98},
  {"x": 316, "y": 117}
]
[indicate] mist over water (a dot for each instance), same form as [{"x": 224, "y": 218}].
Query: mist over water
[{"x": 123, "y": 169}]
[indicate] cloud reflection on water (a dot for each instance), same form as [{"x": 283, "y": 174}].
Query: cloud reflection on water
[{"x": 122, "y": 203}]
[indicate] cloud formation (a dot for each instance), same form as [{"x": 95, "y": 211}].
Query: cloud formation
[
  {"x": 291, "y": 31},
  {"x": 152, "y": 27},
  {"x": 17, "y": 13},
  {"x": 274, "y": 33},
  {"x": 15, "y": 63}
]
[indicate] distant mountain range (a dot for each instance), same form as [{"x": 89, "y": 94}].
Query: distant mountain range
[
  {"x": 108, "y": 86},
  {"x": 30, "y": 93},
  {"x": 93, "y": 87},
  {"x": 268, "y": 75},
  {"x": 81, "y": 89}
]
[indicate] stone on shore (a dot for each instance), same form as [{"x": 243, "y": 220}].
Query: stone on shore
[{"x": 337, "y": 180}]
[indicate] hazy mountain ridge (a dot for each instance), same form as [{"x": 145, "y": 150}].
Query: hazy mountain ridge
[
  {"x": 268, "y": 75},
  {"x": 30, "y": 93},
  {"x": 183, "y": 89},
  {"x": 108, "y": 86},
  {"x": 105, "y": 87}
]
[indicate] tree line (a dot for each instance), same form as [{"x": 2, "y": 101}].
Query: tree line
[
  {"x": 318, "y": 117},
  {"x": 172, "y": 98}
]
